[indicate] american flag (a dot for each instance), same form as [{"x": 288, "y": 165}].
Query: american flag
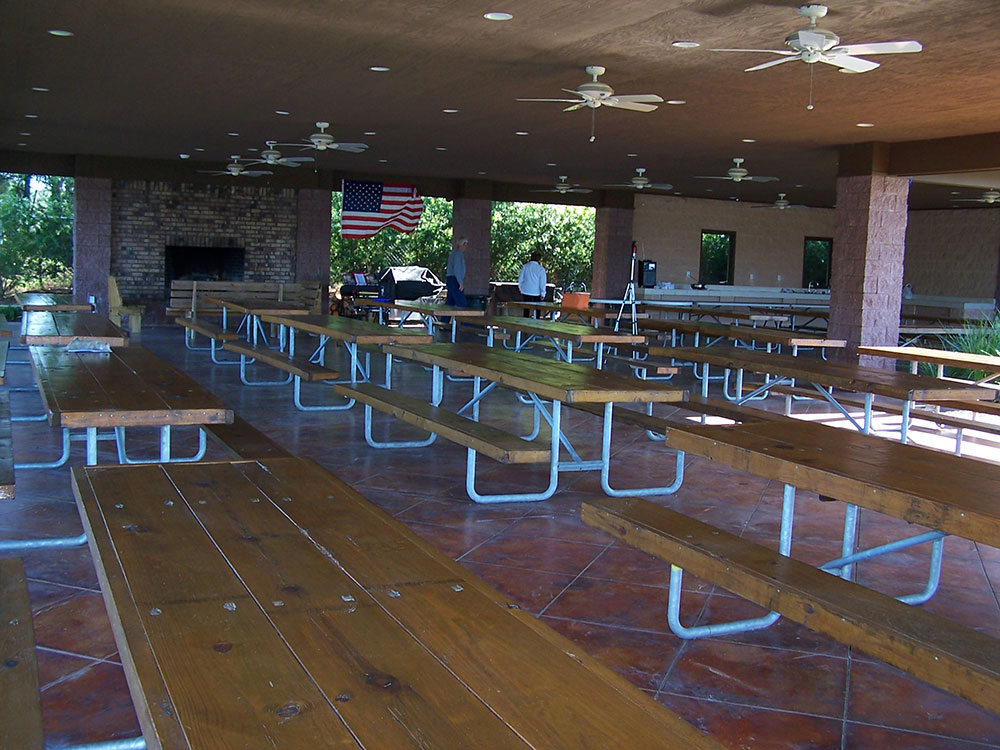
[{"x": 370, "y": 206}]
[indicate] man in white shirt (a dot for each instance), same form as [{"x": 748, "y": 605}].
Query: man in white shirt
[{"x": 532, "y": 281}]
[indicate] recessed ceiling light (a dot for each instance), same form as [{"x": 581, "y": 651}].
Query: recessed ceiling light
[
  {"x": 676, "y": 193},
  {"x": 866, "y": 124},
  {"x": 733, "y": 198},
  {"x": 379, "y": 68},
  {"x": 521, "y": 132},
  {"x": 631, "y": 156},
  {"x": 800, "y": 186},
  {"x": 60, "y": 32},
  {"x": 24, "y": 134},
  {"x": 440, "y": 148},
  {"x": 370, "y": 132},
  {"x": 956, "y": 192},
  {"x": 450, "y": 111},
  {"x": 185, "y": 156},
  {"x": 382, "y": 161},
  {"x": 749, "y": 140},
  {"x": 676, "y": 101},
  {"x": 252, "y": 148},
  {"x": 233, "y": 133},
  {"x": 281, "y": 112},
  {"x": 32, "y": 117},
  {"x": 497, "y": 16},
  {"x": 199, "y": 148},
  {"x": 682, "y": 44},
  {"x": 22, "y": 144},
  {"x": 41, "y": 89},
  {"x": 480, "y": 172},
  {"x": 550, "y": 164},
  {"x": 709, "y": 190}
]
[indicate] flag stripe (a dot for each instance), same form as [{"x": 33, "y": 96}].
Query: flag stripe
[{"x": 371, "y": 206}]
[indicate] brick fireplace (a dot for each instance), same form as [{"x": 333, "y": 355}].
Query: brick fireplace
[{"x": 146, "y": 233}]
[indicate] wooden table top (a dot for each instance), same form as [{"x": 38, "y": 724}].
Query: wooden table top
[
  {"x": 931, "y": 488},
  {"x": 50, "y": 302},
  {"x": 782, "y": 336},
  {"x": 850, "y": 377},
  {"x": 427, "y": 308},
  {"x": 131, "y": 386},
  {"x": 252, "y": 306},
  {"x": 559, "y": 310},
  {"x": 60, "y": 328},
  {"x": 760, "y": 316},
  {"x": 350, "y": 329},
  {"x": 964, "y": 360},
  {"x": 550, "y": 379},
  {"x": 577, "y": 333},
  {"x": 269, "y": 605}
]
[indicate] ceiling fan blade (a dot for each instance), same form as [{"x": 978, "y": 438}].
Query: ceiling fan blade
[
  {"x": 579, "y": 190},
  {"x": 285, "y": 163},
  {"x": 212, "y": 171},
  {"x": 755, "y": 178},
  {"x": 853, "y": 64},
  {"x": 297, "y": 159},
  {"x": 772, "y": 63},
  {"x": 633, "y": 106},
  {"x": 711, "y": 177},
  {"x": 255, "y": 172},
  {"x": 573, "y": 107},
  {"x": 877, "y": 48},
  {"x": 659, "y": 186},
  {"x": 548, "y": 100},
  {"x": 351, "y": 148},
  {"x": 644, "y": 98},
  {"x": 782, "y": 52},
  {"x": 620, "y": 185}
]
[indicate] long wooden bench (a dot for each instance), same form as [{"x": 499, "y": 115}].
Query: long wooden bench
[
  {"x": 294, "y": 613},
  {"x": 244, "y": 440},
  {"x": 715, "y": 407},
  {"x": 20, "y": 707},
  {"x": 6, "y": 449},
  {"x": 951, "y": 656},
  {"x": 206, "y": 328},
  {"x": 486, "y": 439},
  {"x": 299, "y": 365},
  {"x": 186, "y": 297}
]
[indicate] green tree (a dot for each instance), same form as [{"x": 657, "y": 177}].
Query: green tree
[
  {"x": 36, "y": 231},
  {"x": 564, "y": 235}
]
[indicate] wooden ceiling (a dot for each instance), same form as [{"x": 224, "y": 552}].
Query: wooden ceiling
[{"x": 143, "y": 81}]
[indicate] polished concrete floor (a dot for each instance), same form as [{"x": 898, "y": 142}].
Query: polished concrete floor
[{"x": 785, "y": 687}]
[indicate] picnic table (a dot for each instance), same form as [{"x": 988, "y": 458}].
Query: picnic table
[
  {"x": 562, "y": 336},
  {"x": 267, "y": 604},
  {"x": 823, "y": 376},
  {"x": 548, "y": 385},
  {"x": 60, "y": 328},
  {"x": 250, "y": 309},
  {"x": 428, "y": 312},
  {"x": 715, "y": 332},
  {"x": 128, "y": 387},
  {"x": 941, "y": 358},
  {"x": 48, "y": 302},
  {"x": 556, "y": 311}
]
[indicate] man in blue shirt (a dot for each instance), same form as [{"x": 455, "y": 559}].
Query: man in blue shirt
[{"x": 454, "y": 279}]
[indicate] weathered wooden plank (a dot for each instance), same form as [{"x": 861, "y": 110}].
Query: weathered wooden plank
[
  {"x": 951, "y": 656},
  {"x": 298, "y": 365},
  {"x": 569, "y": 383},
  {"x": 350, "y": 329},
  {"x": 20, "y": 708},
  {"x": 245, "y": 440},
  {"x": 6, "y": 449},
  {"x": 60, "y": 328},
  {"x": 50, "y": 302},
  {"x": 489, "y": 440},
  {"x": 206, "y": 328}
]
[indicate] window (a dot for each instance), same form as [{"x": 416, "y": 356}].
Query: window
[
  {"x": 718, "y": 257},
  {"x": 816, "y": 263}
]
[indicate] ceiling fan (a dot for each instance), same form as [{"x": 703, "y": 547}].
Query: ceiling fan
[
  {"x": 989, "y": 197},
  {"x": 737, "y": 174},
  {"x": 781, "y": 204},
  {"x": 562, "y": 187},
  {"x": 323, "y": 141},
  {"x": 238, "y": 168},
  {"x": 594, "y": 94},
  {"x": 815, "y": 45},
  {"x": 641, "y": 182},
  {"x": 272, "y": 157}
]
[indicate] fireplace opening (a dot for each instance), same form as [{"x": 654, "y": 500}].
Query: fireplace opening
[{"x": 202, "y": 264}]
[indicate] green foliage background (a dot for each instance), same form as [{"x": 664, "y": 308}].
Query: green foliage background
[
  {"x": 36, "y": 232},
  {"x": 563, "y": 234}
]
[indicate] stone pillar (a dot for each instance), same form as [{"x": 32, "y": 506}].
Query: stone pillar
[
  {"x": 472, "y": 218},
  {"x": 868, "y": 247},
  {"x": 92, "y": 240},
  {"x": 612, "y": 251},
  {"x": 312, "y": 238}
]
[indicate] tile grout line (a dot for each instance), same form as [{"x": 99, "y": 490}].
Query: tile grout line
[{"x": 577, "y": 577}]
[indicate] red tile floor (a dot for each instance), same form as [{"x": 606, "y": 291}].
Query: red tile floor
[{"x": 785, "y": 687}]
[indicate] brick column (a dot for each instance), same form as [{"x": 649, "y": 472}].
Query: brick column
[
  {"x": 868, "y": 248},
  {"x": 92, "y": 240},
  {"x": 312, "y": 238},
  {"x": 612, "y": 251},
  {"x": 472, "y": 218}
]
